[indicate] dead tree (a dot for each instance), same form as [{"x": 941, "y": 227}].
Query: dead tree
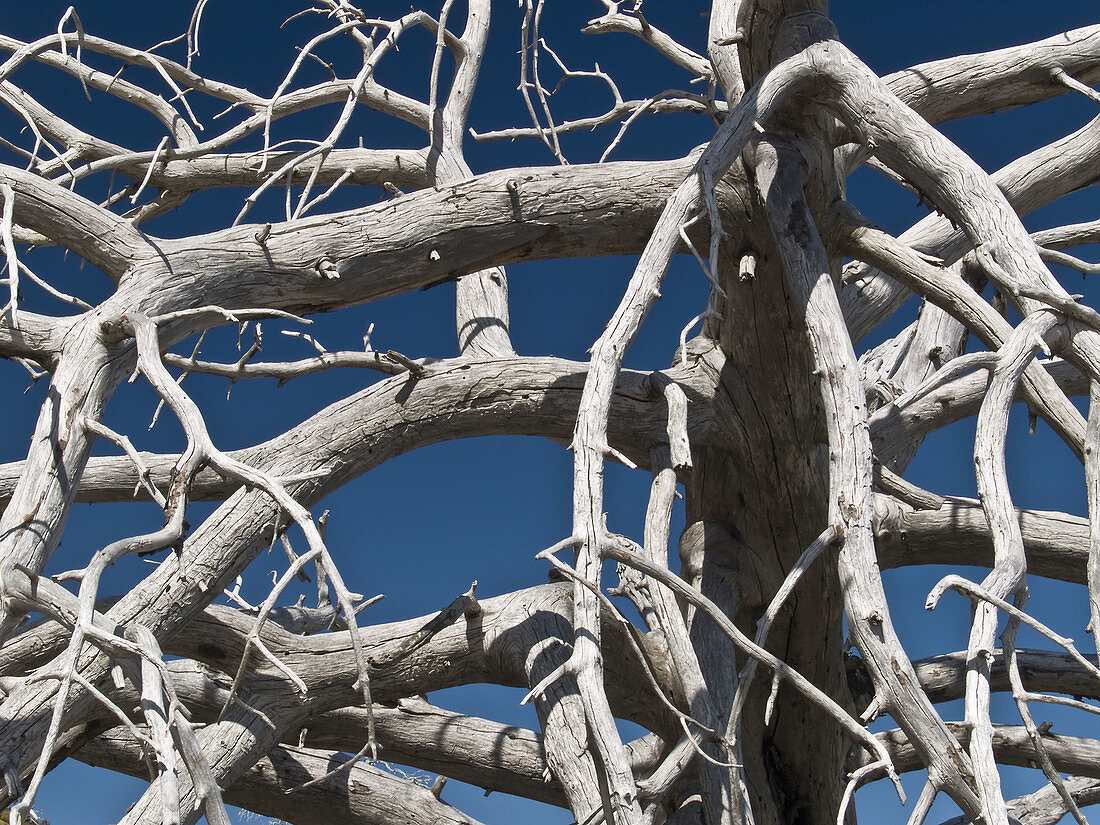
[{"x": 789, "y": 447}]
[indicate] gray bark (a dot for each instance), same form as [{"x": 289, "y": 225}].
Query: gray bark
[{"x": 790, "y": 449}]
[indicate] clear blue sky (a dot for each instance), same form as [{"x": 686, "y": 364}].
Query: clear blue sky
[{"x": 499, "y": 501}]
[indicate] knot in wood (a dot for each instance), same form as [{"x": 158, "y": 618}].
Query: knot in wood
[
  {"x": 327, "y": 269},
  {"x": 114, "y": 330},
  {"x": 513, "y": 197}
]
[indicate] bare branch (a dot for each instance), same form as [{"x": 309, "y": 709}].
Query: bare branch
[
  {"x": 1029, "y": 182},
  {"x": 989, "y": 82},
  {"x": 536, "y": 396},
  {"x": 75, "y": 223},
  {"x": 371, "y": 795},
  {"x": 776, "y": 431},
  {"x": 636, "y": 24}
]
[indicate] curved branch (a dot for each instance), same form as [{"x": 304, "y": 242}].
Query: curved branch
[
  {"x": 1056, "y": 544},
  {"x": 368, "y": 795},
  {"x": 456, "y": 399},
  {"x": 159, "y": 108},
  {"x": 637, "y": 25},
  {"x": 979, "y": 84},
  {"x": 97, "y": 235},
  {"x": 943, "y": 677},
  {"x": 1029, "y": 182},
  {"x": 1008, "y": 576},
  {"x": 169, "y": 597}
]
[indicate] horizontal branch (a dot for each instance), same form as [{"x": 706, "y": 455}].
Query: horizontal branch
[
  {"x": 1043, "y": 671},
  {"x": 366, "y": 795},
  {"x": 403, "y": 168},
  {"x": 979, "y": 84},
  {"x": 457, "y": 399},
  {"x": 421, "y": 239},
  {"x": 1063, "y": 237},
  {"x": 1056, "y": 544},
  {"x": 495, "y": 756},
  {"x": 1011, "y": 746},
  {"x": 285, "y": 370},
  {"x": 907, "y": 419},
  {"x": 37, "y": 337}
]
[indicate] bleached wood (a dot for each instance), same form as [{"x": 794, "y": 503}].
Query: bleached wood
[
  {"x": 368, "y": 795},
  {"x": 850, "y": 499},
  {"x": 769, "y": 402},
  {"x": 1028, "y": 182}
]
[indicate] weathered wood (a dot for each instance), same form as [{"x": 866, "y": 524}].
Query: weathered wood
[
  {"x": 365, "y": 795},
  {"x": 768, "y": 420}
]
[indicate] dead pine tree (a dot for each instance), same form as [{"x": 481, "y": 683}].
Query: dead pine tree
[{"x": 158, "y": 217}]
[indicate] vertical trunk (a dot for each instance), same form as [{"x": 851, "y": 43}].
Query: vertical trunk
[
  {"x": 751, "y": 513},
  {"x": 754, "y": 509}
]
